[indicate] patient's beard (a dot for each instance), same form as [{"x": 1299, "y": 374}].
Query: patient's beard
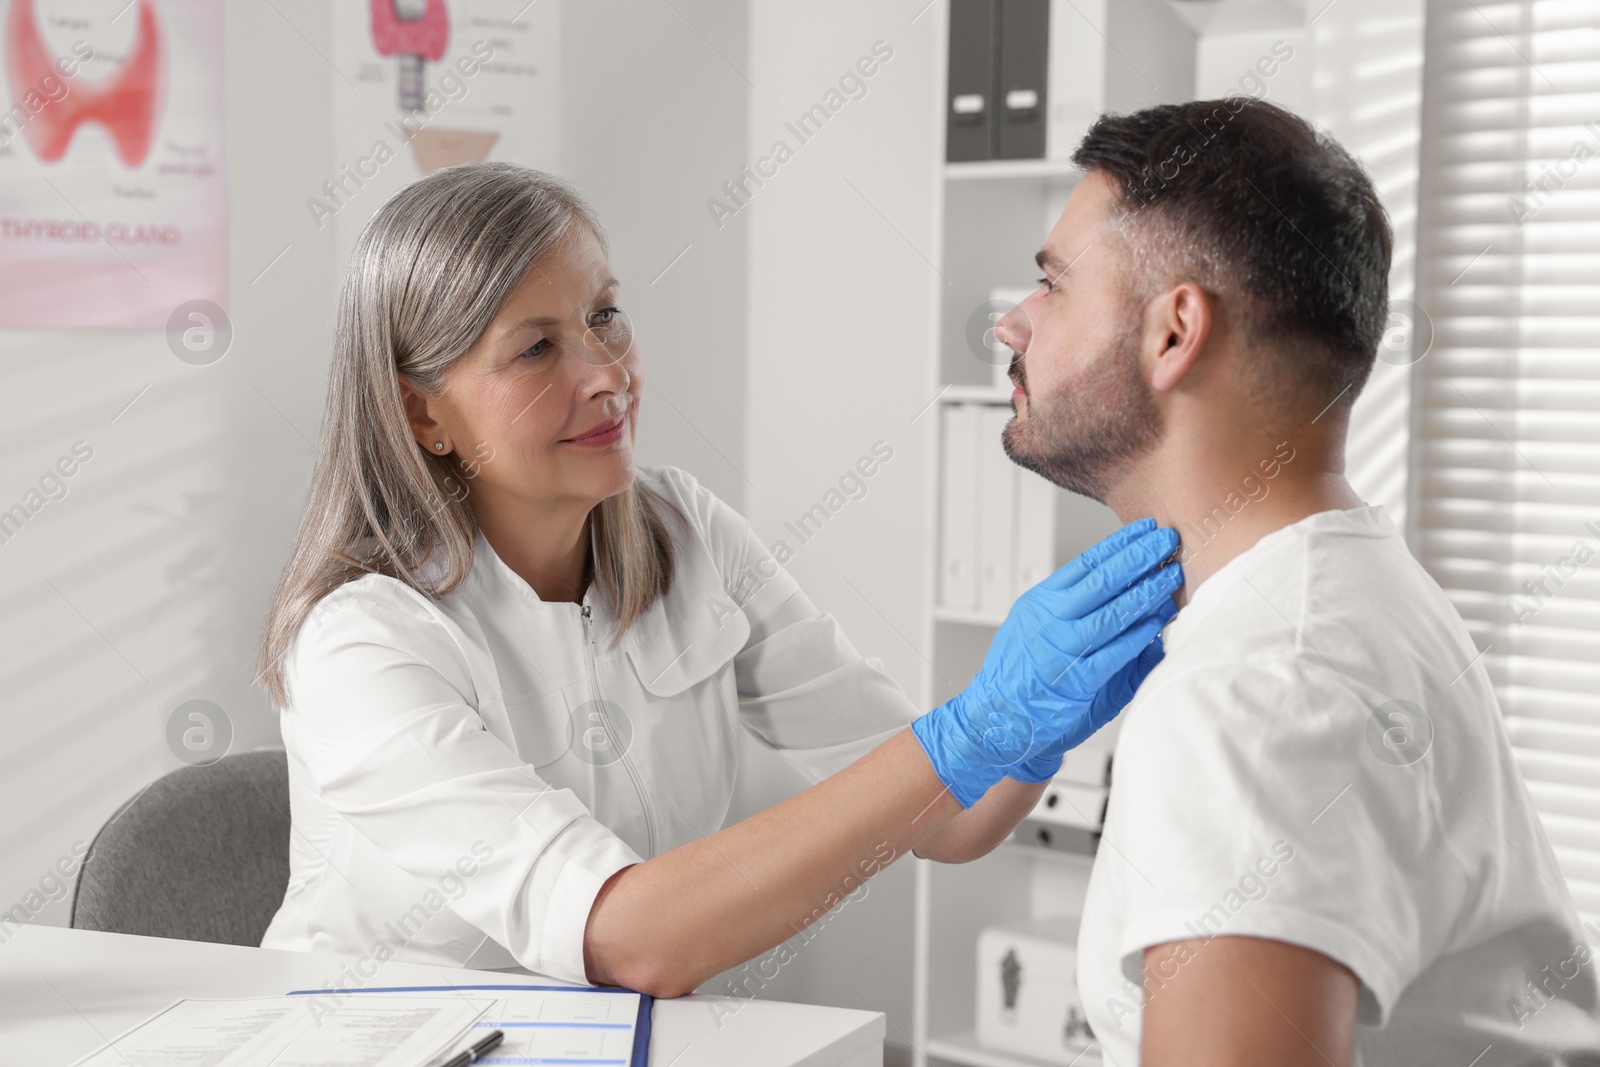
[{"x": 1086, "y": 436}]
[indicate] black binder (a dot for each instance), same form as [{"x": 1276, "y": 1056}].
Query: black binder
[
  {"x": 969, "y": 101},
  {"x": 997, "y": 95},
  {"x": 1022, "y": 99}
]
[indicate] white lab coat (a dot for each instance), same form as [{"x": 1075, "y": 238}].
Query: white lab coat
[{"x": 454, "y": 797}]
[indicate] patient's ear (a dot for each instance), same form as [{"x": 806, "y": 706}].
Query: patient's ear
[{"x": 1177, "y": 327}]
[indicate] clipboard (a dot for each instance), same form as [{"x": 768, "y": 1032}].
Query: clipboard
[{"x": 640, "y": 1056}]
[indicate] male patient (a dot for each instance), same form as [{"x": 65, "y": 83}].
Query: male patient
[{"x": 1318, "y": 848}]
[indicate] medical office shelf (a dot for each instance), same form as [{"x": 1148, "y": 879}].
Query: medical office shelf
[
  {"x": 967, "y": 616},
  {"x": 989, "y": 219},
  {"x": 963, "y": 1048},
  {"x": 1019, "y": 880},
  {"x": 1013, "y": 883},
  {"x": 1005, "y": 169},
  {"x": 975, "y": 394}
]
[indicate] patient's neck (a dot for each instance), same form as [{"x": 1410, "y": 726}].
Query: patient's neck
[{"x": 1224, "y": 492}]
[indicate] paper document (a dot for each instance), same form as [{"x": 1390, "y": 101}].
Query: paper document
[
  {"x": 567, "y": 1028},
  {"x": 398, "y": 1031},
  {"x": 573, "y": 1025}
]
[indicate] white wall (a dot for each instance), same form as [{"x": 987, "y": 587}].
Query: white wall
[
  {"x": 1356, "y": 72},
  {"x": 1252, "y": 62},
  {"x": 143, "y": 587},
  {"x": 841, "y": 341},
  {"x": 655, "y": 102}
]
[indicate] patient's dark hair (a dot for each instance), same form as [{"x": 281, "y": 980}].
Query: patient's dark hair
[{"x": 1250, "y": 202}]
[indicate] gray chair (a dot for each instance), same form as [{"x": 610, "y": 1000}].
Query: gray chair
[{"x": 202, "y": 854}]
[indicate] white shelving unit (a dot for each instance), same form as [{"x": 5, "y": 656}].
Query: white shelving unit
[
  {"x": 964, "y": 1048},
  {"x": 954, "y": 903},
  {"x": 990, "y": 170},
  {"x": 991, "y": 219}
]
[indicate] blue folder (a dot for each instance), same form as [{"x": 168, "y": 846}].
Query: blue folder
[{"x": 641, "y": 1026}]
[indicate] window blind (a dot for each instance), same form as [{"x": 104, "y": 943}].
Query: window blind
[{"x": 1505, "y": 447}]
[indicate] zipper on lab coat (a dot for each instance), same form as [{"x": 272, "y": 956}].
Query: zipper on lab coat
[{"x": 611, "y": 732}]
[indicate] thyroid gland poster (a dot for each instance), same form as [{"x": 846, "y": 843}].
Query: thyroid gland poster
[
  {"x": 113, "y": 196},
  {"x": 422, "y": 84}
]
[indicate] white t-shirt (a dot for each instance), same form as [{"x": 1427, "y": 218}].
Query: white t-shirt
[{"x": 1320, "y": 759}]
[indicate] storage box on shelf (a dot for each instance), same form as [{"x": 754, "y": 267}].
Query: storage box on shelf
[
  {"x": 1013, "y": 886},
  {"x": 1028, "y": 989}
]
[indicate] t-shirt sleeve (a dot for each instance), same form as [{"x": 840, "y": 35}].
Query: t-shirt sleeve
[
  {"x": 1247, "y": 801},
  {"x": 382, "y": 717},
  {"x": 804, "y": 690}
]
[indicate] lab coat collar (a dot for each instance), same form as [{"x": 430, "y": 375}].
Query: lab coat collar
[
  {"x": 488, "y": 566},
  {"x": 684, "y": 638}
]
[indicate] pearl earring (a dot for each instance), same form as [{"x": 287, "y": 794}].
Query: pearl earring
[{"x": 438, "y": 446}]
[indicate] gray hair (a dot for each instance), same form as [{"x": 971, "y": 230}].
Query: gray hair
[{"x": 427, "y": 275}]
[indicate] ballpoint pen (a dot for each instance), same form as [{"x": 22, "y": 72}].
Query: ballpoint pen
[{"x": 473, "y": 1054}]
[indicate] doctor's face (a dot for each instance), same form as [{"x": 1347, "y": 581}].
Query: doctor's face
[
  {"x": 1084, "y": 411},
  {"x": 544, "y": 406}
]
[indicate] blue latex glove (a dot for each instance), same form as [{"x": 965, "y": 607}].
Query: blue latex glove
[
  {"x": 1062, "y": 641},
  {"x": 1111, "y": 699},
  {"x": 1108, "y": 702}
]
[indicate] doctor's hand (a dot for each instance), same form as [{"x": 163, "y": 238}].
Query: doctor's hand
[
  {"x": 1110, "y": 701},
  {"x": 1065, "y": 640},
  {"x": 1115, "y": 694}
]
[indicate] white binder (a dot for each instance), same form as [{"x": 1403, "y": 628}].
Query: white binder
[
  {"x": 997, "y": 485},
  {"x": 1036, "y": 530},
  {"x": 958, "y": 517},
  {"x": 997, "y": 520}
]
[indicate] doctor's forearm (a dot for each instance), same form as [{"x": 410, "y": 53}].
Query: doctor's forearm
[
  {"x": 976, "y": 831},
  {"x": 668, "y": 924}
]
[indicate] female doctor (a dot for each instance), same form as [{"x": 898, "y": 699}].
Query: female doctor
[{"x": 512, "y": 667}]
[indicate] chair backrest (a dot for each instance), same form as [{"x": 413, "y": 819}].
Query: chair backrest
[{"x": 202, "y": 854}]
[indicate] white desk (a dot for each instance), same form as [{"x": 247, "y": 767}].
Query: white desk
[{"x": 65, "y": 992}]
